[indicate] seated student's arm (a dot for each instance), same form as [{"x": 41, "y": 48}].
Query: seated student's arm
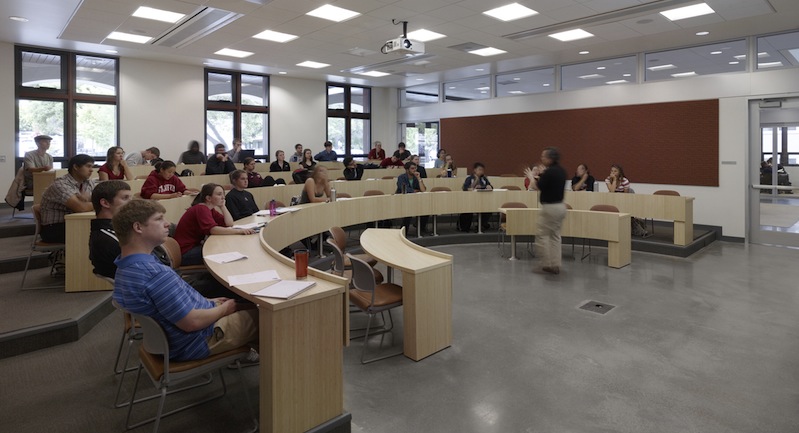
[
  {"x": 102, "y": 175},
  {"x": 488, "y": 183},
  {"x": 79, "y": 203},
  {"x": 203, "y": 318},
  {"x": 310, "y": 190},
  {"x": 611, "y": 184},
  {"x": 232, "y": 208},
  {"x": 30, "y": 166},
  {"x": 125, "y": 169},
  {"x": 422, "y": 187},
  {"x": 467, "y": 184}
]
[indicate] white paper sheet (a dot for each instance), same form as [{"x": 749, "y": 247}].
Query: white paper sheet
[
  {"x": 226, "y": 257},
  {"x": 255, "y": 277}
]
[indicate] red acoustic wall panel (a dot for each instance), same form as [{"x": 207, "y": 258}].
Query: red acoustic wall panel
[{"x": 667, "y": 143}]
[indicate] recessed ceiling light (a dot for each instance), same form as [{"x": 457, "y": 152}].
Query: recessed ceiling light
[
  {"x": 715, "y": 52},
  {"x": 270, "y": 35},
  {"x": 374, "y": 74},
  {"x": 282, "y": 72},
  {"x": 517, "y": 79},
  {"x": 482, "y": 88},
  {"x": 582, "y": 53},
  {"x": 590, "y": 76},
  {"x": 423, "y": 35},
  {"x": 122, "y": 36},
  {"x": 616, "y": 82},
  {"x": 571, "y": 35},
  {"x": 157, "y": 14},
  {"x": 484, "y": 91},
  {"x": 516, "y": 92},
  {"x": 740, "y": 57},
  {"x": 488, "y": 51},
  {"x": 546, "y": 84},
  {"x": 112, "y": 51},
  {"x": 734, "y": 63},
  {"x": 234, "y": 53},
  {"x": 661, "y": 67},
  {"x": 688, "y": 12},
  {"x": 684, "y": 74},
  {"x": 420, "y": 79},
  {"x": 702, "y": 33},
  {"x": 513, "y": 11},
  {"x": 451, "y": 87},
  {"x": 333, "y": 13},
  {"x": 479, "y": 69},
  {"x": 769, "y": 65},
  {"x": 20, "y": 19},
  {"x": 762, "y": 54},
  {"x": 312, "y": 64},
  {"x": 627, "y": 75},
  {"x": 600, "y": 68}
]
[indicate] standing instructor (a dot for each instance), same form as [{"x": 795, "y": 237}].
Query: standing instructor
[{"x": 551, "y": 185}]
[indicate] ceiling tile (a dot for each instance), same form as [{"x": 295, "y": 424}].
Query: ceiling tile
[
  {"x": 452, "y": 13},
  {"x": 569, "y": 13},
  {"x": 611, "y": 5}
]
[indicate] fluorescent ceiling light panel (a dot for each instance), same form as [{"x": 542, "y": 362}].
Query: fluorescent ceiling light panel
[
  {"x": 312, "y": 64},
  {"x": 128, "y": 37},
  {"x": 661, "y": 67},
  {"x": 516, "y": 92},
  {"x": 571, "y": 35},
  {"x": 482, "y": 88},
  {"x": 795, "y": 53},
  {"x": 488, "y": 51},
  {"x": 590, "y": 76},
  {"x": 333, "y": 13},
  {"x": 157, "y": 14},
  {"x": 688, "y": 12},
  {"x": 616, "y": 82},
  {"x": 271, "y": 35},
  {"x": 769, "y": 65},
  {"x": 684, "y": 74},
  {"x": 374, "y": 74},
  {"x": 423, "y": 35},
  {"x": 513, "y": 11},
  {"x": 234, "y": 53},
  {"x": 715, "y": 52}
]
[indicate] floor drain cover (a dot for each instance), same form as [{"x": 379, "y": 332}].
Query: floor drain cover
[{"x": 597, "y": 307}]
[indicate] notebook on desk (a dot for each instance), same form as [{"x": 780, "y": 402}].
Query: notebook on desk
[{"x": 285, "y": 289}]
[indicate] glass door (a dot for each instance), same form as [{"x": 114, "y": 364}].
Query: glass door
[
  {"x": 422, "y": 139},
  {"x": 774, "y": 169}
]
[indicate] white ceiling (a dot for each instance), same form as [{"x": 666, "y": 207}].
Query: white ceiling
[{"x": 84, "y": 25}]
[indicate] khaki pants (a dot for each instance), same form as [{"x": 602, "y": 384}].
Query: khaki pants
[
  {"x": 234, "y": 330},
  {"x": 547, "y": 238}
]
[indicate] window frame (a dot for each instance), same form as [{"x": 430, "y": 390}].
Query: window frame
[
  {"x": 348, "y": 115},
  {"x": 67, "y": 94},
  {"x": 237, "y": 108}
]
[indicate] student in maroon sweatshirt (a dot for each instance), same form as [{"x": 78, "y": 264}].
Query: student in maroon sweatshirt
[{"x": 162, "y": 183}]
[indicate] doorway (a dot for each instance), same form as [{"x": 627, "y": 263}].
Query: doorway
[
  {"x": 774, "y": 172},
  {"x": 421, "y": 138}
]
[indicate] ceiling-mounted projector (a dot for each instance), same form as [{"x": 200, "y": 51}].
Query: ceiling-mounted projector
[{"x": 404, "y": 46}]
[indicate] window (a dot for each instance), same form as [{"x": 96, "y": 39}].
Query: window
[
  {"x": 420, "y": 95},
  {"x": 702, "y": 60},
  {"x": 69, "y": 96},
  {"x": 611, "y": 72},
  {"x": 786, "y": 139},
  {"x": 525, "y": 83},
  {"x": 778, "y": 51},
  {"x": 422, "y": 139},
  {"x": 349, "y": 119},
  {"x": 467, "y": 90},
  {"x": 237, "y": 105}
]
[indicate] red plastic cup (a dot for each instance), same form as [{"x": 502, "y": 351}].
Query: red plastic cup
[{"x": 301, "y": 264}]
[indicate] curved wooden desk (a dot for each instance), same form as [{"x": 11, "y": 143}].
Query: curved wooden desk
[{"x": 426, "y": 289}]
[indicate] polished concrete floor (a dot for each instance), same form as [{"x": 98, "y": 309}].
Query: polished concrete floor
[{"x": 705, "y": 344}]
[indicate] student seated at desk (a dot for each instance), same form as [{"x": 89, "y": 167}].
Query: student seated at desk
[
  {"x": 352, "y": 170},
  {"x": 307, "y": 161},
  {"x": 402, "y": 154},
  {"x": 115, "y": 167},
  {"x": 394, "y": 161},
  {"x": 317, "y": 187},
  {"x": 193, "y": 155},
  {"x": 254, "y": 180},
  {"x": 279, "y": 164},
  {"x": 377, "y": 152},
  {"x": 297, "y": 155},
  {"x": 442, "y": 154},
  {"x": 196, "y": 327},
  {"x": 327, "y": 154},
  {"x": 206, "y": 216},
  {"x": 582, "y": 180},
  {"x": 409, "y": 183},
  {"x": 162, "y": 183},
  {"x": 477, "y": 180},
  {"x": 448, "y": 169},
  {"x": 421, "y": 170},
  {"x": 616, "y": 181},
  {"x": 219, "y": 162},
  {"x": 70, "y": 193},
  {"x": 238, "y": 201}
]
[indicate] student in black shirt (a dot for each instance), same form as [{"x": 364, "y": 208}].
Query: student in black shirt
[
  {"x": 239, "y": 202},
  {"x": 422, "y": 172},
  {"x": 477, "y": 180},
  {"x": 409, "y": 183},
  {"x": 352, "y": 170},
  {"x": 402, "y": 154},
  {"x": 553, "y": 211},
  {"x": 219, "y": 162},
  {"x": 582, "y": 180},
  {"x": 279, "y": 164}
]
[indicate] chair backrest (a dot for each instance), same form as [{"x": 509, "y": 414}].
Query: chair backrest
[
  {"x": 172, "y": 249},
  {"x": 154, "y": 338},
  {"x": 514, "y": 205},
  {"x": 666, "y": 192},
  {"x": 440, "y": 189},
  {"x": 388, "y": 177},
  {"x": 341, "y": 178},
  {"x": 343, "y": 195},
  {"x": 370, "y": 192},
  {"x": 141, "y": 177},
  {"x": 363, "y": 276},
  {"x": 339, "y": 237},
  {"x": 511, "y": 188},
  {"x": 338, "y": 257},
  {"x": 604, "y": 208},
  {"x": 508, "y": 175}
]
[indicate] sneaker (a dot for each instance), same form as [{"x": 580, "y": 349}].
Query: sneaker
[{"x": 252, "y": 359}]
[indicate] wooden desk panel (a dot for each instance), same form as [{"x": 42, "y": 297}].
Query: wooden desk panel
[{"x": 426, "y": 289}]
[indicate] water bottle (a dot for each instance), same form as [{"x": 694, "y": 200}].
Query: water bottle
[
  {"x": 272, "y": 207},
  {"x": 449, "y": 172},
  {"x": 332, "y": 194}
]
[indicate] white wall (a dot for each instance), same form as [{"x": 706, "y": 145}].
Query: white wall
[
  {"x": 161, "y": 105},
  {"x": 7, "y": 103},
  {"x": 723, "y": 206},
  {"x": 384, "y": 117}
]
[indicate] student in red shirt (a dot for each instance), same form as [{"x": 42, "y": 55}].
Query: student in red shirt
[
  {"x": 207, "y": 215},
  {"x": 162, "y": 183},
  {"x": 394, "y": 161},
  {"x": 377, "y": 152}
]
